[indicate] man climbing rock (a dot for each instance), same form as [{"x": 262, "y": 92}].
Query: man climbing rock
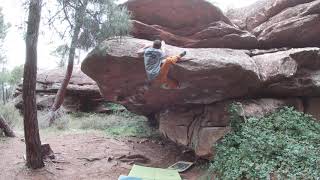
[{"x": 157, "y": 65}]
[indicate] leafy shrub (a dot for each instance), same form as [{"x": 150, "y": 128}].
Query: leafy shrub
[
  {"x": 61, "y": 122},
  {"x": 11, "y": 115},
  {"x": 114, "y": 107},
  {"x": 285, "y": 144},
  {"x": 123, "y": 124}
]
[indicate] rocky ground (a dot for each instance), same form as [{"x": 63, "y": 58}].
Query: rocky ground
[{"x": 89, "y": 156}]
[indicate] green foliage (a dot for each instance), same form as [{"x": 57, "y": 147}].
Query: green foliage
[
  {"x": 3, "y": 32},
  {"x": 9, "y": 80},
  {"x": 16, "y": 75},
  {"x": 114, "y": 107},
  {"x": 104, "y": 20},
  {"x": 4, "y": 76},
  {"x": 235, "y": 118},
  {"x": 119, "y": 124},
  {"x": 11, "y": 115},
  {"x": 285, "y": 144},
  {"x": 123, "y": 124},
  {"x": 62, "y": 52}
]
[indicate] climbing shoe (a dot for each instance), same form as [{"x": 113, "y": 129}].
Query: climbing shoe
[
  {"x": 183, "y": 53},
  {"x": 164, "y": 86}
]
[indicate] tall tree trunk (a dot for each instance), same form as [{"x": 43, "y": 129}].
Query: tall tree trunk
[
  {"x": 31, "y": 129},
  {"x": 3, "y": 93},
  {"x": 6, "y": 128},
  {"x": 74, "y": 42},
  {"x": 7, "y": 95}
]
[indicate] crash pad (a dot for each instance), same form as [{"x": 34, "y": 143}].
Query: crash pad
[{"x": 149, "y": 173}]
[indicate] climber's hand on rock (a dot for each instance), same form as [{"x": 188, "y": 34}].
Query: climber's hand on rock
[{"x": 185, "y": 59}]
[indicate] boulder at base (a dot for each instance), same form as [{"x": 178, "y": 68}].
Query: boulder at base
[{"x": 195, "y": 115}]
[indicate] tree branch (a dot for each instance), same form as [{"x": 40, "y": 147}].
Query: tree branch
[{"x": 66, "y": 13}]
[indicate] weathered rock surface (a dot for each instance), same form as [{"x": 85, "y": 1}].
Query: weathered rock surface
[
  {"x": 282, "y": 23},
  {"x": 82, "y": 92},
  {"x": 240, "y": 16},
  {"x": 296, "y": 26},
  {"x": 311, "y": 106},
  {"x": 213, "y": 75},
  {"x": 199, "y": 127},
  {"x": 187, "y": 23},
  {"x": 195, "y": 115},
  {"x": 176, "y": 14},
  {"x": 120, "y": 75}
]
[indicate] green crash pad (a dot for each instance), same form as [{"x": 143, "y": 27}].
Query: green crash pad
[{"x": 148, "y": 173}]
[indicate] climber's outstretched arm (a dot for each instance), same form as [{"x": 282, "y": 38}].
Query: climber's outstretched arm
[{"x": 163, "y": 48}]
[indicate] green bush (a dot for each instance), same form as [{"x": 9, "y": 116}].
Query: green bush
[
  {"x": 123, "y": 124},
  {"x": 285, "y": 144},
  {"x": 11, "y": 115}
]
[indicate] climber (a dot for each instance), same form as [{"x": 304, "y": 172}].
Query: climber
[{"x": 157, "y": 64}]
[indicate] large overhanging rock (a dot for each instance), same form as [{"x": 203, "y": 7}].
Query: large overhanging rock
[
  {"x": 213, "y": 75},
  {"x": 187, "y": 23},
  {"x": 196, "y": 115},
  {"x": 121, "y": 77}
]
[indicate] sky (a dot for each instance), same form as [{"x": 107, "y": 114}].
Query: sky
[{"x": 14, "y": 45}]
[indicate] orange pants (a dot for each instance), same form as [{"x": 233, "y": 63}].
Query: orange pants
[{"x": 162, "y": 79}]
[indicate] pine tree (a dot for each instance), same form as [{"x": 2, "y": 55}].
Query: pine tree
[
  {"x": 31, "y": 129},
  {"x": 89, "y": 23}
]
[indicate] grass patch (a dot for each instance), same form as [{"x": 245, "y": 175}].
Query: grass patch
[
  {"x": 285, "y": 144},
  {"x": 11, "y": 115},
  {"x": 119, "y": 124}
]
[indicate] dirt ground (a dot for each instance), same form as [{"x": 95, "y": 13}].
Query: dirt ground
[{"x": 89, "y": 155}]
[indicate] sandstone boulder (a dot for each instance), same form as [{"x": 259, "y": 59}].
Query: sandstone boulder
[
  {"x": 187, "y": 23},
  {"x": 281, "y": 23},
  {"x": 175, "y": 14},
  {"x": 120, "y": 75},
  {"x": 213, "y": 75},
  {"x": 239, "y": 16},
  {"x": 195, "y": 115},
  {"x": 271, "y": 9},
  {"x": 82, "y": 92},
  {"x": 200, "y": 127},
  {"x": 296, "y": 26}
]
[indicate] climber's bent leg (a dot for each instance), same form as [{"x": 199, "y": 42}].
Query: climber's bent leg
[{"x": 163, "y": 80}]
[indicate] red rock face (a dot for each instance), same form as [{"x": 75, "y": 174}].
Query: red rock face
[
  {"x": 262, "y": 80},
  {"x": 296, "y": 26},
  {"x": 199, "y": 127},
  {"x": 196, "y": 114},
  {"x": 176, "y": 14},
  {"x": 187, "y": 23},
  {"x": 271, "y": 9}
]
